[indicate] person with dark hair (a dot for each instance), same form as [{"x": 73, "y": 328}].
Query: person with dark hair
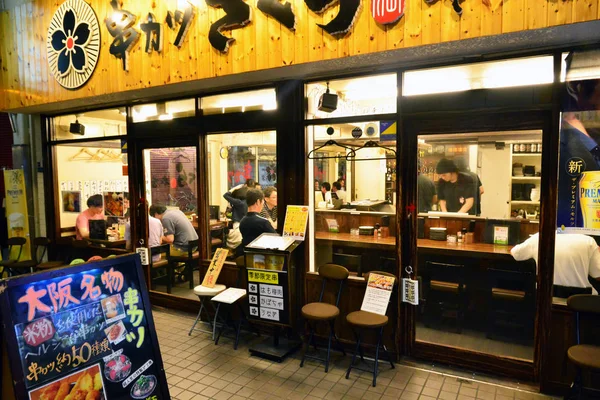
[
  {"x": 455, "y": 189},
  {"x": 478, "y": 190},
  {"x": 337, "y": 192},
  {"x": 94, "y": 212},
  {"x": 426, "y": 193},
  {"x": 269, "y": 210},
  {"x": 253, "y": 225},
  {"x": 326, "y": 190},
  {"x": 178, "y": 230}
]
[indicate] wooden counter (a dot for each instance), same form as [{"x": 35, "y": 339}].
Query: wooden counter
[{"x": 425, "y": 246}]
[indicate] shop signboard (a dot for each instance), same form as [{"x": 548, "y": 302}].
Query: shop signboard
[
  {"x": 84, "y": 331},
  {"x": 268, "y": 295},
  {"x": 16, "y": 211},
  {"x": 579, "y": 158}
]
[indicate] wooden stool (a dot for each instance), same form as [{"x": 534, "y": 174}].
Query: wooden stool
[
  {"x": 583, "y": 356},
  {"x": 324, "y": 312},
  {"x": 204, "y": 292},
  {"x": 361, "y": 320}
]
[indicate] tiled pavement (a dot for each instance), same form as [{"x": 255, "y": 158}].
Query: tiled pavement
[{"x": 197, "y": 369}]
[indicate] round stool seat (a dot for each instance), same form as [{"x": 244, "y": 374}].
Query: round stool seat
[
  {"x": 206, "y": 291},
  {"x": 585, "y": 355},
  {"x": 365, "y": 319},
  {"x": 320, "y": 311}
]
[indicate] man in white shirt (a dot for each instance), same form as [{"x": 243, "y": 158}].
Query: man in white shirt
[
  {"x": 336, "y": 188},
  {"x": 575, "y": 257}
]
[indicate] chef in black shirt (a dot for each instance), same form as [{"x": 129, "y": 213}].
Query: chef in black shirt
[{"x": 455, "y": 189}]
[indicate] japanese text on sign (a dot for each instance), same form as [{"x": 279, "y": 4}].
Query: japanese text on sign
[{"x": 264, "y": 277}]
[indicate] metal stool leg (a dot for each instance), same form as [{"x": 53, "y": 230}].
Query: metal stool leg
[
  {"x": 376, "y": 366},
  {"x": 307, "y": 338},
  {"x": 215, "y": 325},
  {"x": 198, "y": 318},
  {"x": 356, "y": 350},
  {"x": 340, "y": 347},
  {"x": 329, "y": 345},
  {"x": 389, "y": 356}
]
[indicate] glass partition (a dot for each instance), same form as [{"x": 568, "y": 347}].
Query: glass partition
[
  {"x": 353, "y": 203},
  {"x": 577, "y": 259},
  {"x": 478, "y": 196}
]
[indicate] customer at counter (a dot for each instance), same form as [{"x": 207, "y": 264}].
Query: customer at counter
[
  {"x": 455, "y": 189},
  {"x": 326, "y": 191},
  {"x": 253, "y": 225},
  {"x": 575, "y": 257},
  {"x": 178, "y": 230},
  {"x": 155, "y": 232},
  {"x": 337, "y": 192},
  {"x": 269, "y": 209},
  {"x": 94, "y": 212}
]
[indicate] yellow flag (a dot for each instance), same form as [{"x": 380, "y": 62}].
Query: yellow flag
[{"x": 16, "y": 210}]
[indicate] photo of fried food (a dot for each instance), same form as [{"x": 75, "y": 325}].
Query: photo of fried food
[
  {"x": 381, "y": 282},
  {"x": 82, "y": 385}
]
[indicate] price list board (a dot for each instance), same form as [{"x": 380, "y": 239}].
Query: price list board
[
  {"x": 268, "y": 296},
  {"x": 83, "y": 332}
]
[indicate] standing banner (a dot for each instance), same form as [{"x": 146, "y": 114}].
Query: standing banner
[
  {"x": 83, "y": 332},
  {"x": 16, "y": 210}
]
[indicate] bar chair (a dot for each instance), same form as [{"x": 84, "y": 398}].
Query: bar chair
[
  {"x": 40, "y": 248},
  {"x": 511, "y": 300},
  {"x": 365, "y": 320},
  {"x": 583, "y": 356},
  {"x": 164, "y": 250},
  {"x": 188, "y": 260},
  {"x": 447, "y": 293},
  {"x": 320, "y": 311},
  {"x": 6, "y": 264}
]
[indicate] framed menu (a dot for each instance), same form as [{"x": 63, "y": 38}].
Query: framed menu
[{"x": 85, "y": 331}]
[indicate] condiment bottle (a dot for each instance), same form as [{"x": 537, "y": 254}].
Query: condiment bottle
[{"x": 459, "y": 237}]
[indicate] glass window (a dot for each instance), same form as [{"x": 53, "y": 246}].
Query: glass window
[
  {"x": 478, "y": 195},
  {"x": 367, "y": 95},
  {"x": 93, "y": 124},
  {"x": 87, "y": 169},
  {"x": 236, "y": 162},
  {"x": 354, "y": 184},
  {"x": 164, "y": 111},
  {"x": 486, "y": 75},
  {"x": 263, "y": 99},
  {"x": 578, "y": 178}
]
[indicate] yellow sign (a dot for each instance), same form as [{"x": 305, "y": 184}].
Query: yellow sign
[
  {"x": 16, "y": 210},
  {"x": 296, "y": 219},
  {"x": 214, "y": 269},
  {"x": 263, "y": 277}
]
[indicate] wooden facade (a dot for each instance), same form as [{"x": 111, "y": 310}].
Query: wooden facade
[{"x": 25, "y": 79}]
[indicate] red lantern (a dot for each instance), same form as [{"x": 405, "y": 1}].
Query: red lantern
[{"x": 387, "y": 11}]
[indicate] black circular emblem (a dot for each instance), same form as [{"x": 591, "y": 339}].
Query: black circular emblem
[
  {"x": 575, "y": 166},
  {"x": 73, "y": 43},
  {"x": 357, "y": 132}
]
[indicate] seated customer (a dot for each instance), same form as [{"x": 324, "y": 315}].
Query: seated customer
[
  {"x": 269, "y": 209},
  {"x": 253, "y": 225},
  {"x": 337, "y": 192},
  {"x": 575, "y": 257},
  {"x": 94, "y": 212},
  {"x": 178, "y": 230},
  {"x": 155, "y": 232}
]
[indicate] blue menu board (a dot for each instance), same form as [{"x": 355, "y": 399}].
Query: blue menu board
[{"x": 83, "y": 332}]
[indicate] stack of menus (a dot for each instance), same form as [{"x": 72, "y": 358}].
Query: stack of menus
[{"x": 82, "y": 332}]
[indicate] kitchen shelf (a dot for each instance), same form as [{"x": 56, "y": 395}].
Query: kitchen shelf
[
  {"x": 527, "y": 154},
  {"x": 524, "y": 202},
  {"x": 526, "y": 178}
]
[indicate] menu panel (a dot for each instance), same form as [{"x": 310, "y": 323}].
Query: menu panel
[{"x": 84, "y": 332}]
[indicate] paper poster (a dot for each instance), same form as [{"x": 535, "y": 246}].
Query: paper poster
[
  {"x": 378, "y": 293},
  {"x": 267, "y": 299},
  {"x": 214, "y": 269},
  {"x": 296, "y": 219},
  {"x": 16, "y": 211}
]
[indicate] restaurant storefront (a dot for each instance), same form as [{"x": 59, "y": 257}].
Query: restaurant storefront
[{"x": 348, "y": 111}]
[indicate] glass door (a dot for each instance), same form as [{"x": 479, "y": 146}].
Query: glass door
[
  {"x": 170, "y": 187},
  {"x": 475, "y": 195}
]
